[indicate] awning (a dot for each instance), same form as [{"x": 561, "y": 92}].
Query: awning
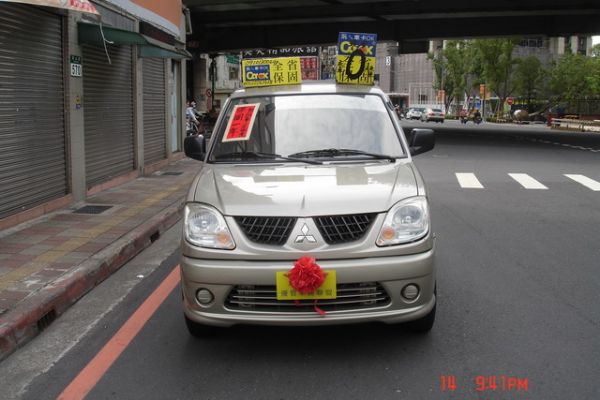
[
  {"x": 74, "y": 5},
  {"x": 153, "y": 51},
  {"x": 92, "y": 34}
]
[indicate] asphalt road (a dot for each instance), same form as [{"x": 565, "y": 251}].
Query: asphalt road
[{"x": 518, "y": 283}]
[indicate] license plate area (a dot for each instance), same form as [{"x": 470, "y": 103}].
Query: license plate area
[{"x": 285, "y": 291}]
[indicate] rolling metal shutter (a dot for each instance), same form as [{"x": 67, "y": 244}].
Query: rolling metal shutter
[
  {"x": 108, "y": 113},
  {"x": 33, "y": 166},
  {"x": 155, "y": 139}
]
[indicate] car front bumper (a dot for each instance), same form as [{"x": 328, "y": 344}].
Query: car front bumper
[{"x": 391, "y": 273}]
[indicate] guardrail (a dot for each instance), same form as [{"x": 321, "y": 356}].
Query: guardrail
[{"x": 581, "y": 125}]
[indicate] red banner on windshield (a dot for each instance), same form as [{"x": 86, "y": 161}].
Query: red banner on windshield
[{"x": 240, "y": 124}]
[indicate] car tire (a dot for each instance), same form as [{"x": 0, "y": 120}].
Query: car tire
[{"x": 202, "y": 331}]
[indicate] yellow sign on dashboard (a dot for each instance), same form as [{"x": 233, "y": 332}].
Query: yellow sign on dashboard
[{"x": 271, "y": 71}]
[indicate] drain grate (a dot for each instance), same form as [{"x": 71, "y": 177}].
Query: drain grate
[
  {"x": 173, "y": 173},
  {"x": 91, "y": 209},
  {"x": 46, "y": 320}
]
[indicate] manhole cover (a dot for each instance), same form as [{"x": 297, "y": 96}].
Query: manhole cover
[{"x": 91, "y": 209}]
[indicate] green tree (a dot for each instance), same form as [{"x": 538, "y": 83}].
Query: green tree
[
  {"x": 574, "y": 77},
  {"x": 528, "y": 78},
  {"x": 495, "y": 57},
  {"x": 452, "y": 66}
]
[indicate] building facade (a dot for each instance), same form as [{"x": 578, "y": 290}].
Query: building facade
[{"x": 88, "y": 101}]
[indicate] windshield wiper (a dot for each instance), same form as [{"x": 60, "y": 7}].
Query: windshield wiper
[
  {"x": 268, "y": 156},
  {"x": 341, "y": 152}
]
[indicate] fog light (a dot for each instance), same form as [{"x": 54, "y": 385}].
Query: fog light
[
  {"x": 204, "y": 296},
  {"x": 410, "y": 292}
]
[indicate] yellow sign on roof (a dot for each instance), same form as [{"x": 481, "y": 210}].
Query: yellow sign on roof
[
  {"x": 271, "y": 71},
  {"x": 356, "y": 58}
]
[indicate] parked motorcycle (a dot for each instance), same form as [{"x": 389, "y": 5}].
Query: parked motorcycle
[
  {"x": 463, "y": 119},
  {"x": 477, "y": 119}
]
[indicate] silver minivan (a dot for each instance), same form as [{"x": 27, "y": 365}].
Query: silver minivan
[{"x": 324, "y": 173}]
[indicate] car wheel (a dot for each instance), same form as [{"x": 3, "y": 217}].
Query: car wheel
[
  {"x": 202, "y": 331},
  {"x": 424, "y": 324}
]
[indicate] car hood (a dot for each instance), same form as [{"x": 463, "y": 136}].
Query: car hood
[{"x": 304, "y": 190}]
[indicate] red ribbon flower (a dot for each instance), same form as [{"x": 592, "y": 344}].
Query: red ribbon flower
[{"x": 306, "y": 276}]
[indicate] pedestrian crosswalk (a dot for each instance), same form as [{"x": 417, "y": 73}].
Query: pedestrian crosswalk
[
  {"x": 527, "y": 181},
  {"x": 585, "y": 181},
  {"x": 468, "y": 180}
]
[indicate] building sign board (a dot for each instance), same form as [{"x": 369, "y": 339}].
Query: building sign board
[
  {"x": 310, "y": 68},
  {"x": 281, "y": 52}
]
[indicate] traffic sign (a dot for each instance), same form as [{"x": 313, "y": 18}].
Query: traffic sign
[
  {"x": 209, "y": 93},
  {"x": 510, "y": 101}
]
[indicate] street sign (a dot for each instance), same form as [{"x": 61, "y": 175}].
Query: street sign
[
  {"x": 209, "y": 93},
  {"x": 510, "y": 101}
]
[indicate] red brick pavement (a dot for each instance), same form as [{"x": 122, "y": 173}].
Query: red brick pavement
[{"x": 50, "y": 263}]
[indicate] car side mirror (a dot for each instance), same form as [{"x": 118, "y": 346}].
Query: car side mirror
[
  {"x": 195, "y": 147},
  {"x": 421, "y": 141}
]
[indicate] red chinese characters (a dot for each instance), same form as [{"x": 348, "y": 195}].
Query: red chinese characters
[{"x": 240, "y": 124}]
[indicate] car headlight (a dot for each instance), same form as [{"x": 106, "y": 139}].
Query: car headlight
[
  {"x": 407, "y": 221},
  {"x": 205, "y": 227}
]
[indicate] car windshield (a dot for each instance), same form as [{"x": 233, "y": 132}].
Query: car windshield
[
  {"x": 437, "y": 110},
  {"x": 310, "y": 126}
]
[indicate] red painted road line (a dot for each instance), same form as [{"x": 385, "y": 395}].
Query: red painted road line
[{"x": 95, "y": 370}]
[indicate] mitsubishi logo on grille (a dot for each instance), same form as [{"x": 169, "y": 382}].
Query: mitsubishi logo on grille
[{"x": 305, "y": 235}]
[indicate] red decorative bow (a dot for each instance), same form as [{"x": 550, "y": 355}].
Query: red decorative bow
[{"x": 306, "y": 277}]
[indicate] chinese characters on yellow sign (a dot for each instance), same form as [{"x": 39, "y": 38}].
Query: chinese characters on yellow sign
[
  {"x": 356, "y": 58},
  {"x": 271, "y": 71}
]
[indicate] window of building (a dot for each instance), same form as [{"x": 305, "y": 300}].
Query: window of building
[{"x": 233, "y": 73}]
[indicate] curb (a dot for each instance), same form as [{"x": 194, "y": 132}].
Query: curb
[{"x": 36, "y": 312}]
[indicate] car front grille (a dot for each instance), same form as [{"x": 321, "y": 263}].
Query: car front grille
[
  {"x": 337, "y": 229},
  {"x": 266, "y": 230},
  {"x": 350, "y": 297}
]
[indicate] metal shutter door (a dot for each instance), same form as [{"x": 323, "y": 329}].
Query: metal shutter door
[
  {"x": 108, "y": 113},
  {"x": 32, "y": 134},
  {"x": 155, "y": 139}
]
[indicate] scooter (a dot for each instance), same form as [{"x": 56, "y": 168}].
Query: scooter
[
  {"x": 477, "y": 120},
  {"x": 463, "y": 119}
]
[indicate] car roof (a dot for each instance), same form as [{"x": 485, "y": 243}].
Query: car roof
[{"x": 315, "y": 87}]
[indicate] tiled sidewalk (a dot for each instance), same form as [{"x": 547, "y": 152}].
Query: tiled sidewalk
[{"x": 49, "y": 263}]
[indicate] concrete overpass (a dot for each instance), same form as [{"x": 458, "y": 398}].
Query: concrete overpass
[{"x": 238, "y": 24}]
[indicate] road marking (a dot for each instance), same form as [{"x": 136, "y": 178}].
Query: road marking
[
  {"x": 468, "y": 181},
  {"x": 585, "y": 181},
  {"x": 85, "y": 381},
  {"x": 527, "y": 181}
]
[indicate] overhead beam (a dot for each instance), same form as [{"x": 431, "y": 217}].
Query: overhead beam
[{"x": 243, "y": 37}]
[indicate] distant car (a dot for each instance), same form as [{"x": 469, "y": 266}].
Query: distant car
[
  {"x": 433, "y": 114},
  {"x": 414, "y": 113}
]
